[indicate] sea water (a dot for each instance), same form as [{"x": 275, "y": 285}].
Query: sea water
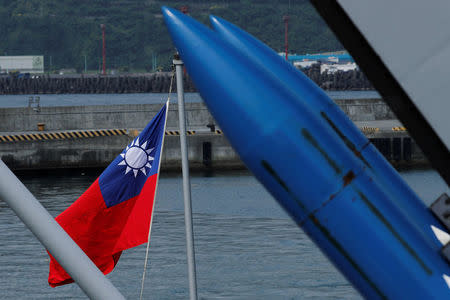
[{"x": 246, "y": 245}]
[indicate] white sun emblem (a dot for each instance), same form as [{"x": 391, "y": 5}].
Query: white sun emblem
[{"x": 137, "y": 158}]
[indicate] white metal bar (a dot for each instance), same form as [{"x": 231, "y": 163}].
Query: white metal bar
[{"x": 54, "y": 238}]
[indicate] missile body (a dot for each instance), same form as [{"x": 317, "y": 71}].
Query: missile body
[
  {"x": 329, "y": 191},
  {"x": 309, "y": 94}
]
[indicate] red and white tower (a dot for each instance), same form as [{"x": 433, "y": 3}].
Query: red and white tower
[
  {"x": 286, "y": 27},
  {"x": 102, "y": 26}
]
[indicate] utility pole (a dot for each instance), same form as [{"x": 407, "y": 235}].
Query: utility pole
[
  {"x": 184, "y": 9},
  {"x": 104, "y": 49},
  {"x": 286, "y": 27},
  {"x": 154, "y": 62}
]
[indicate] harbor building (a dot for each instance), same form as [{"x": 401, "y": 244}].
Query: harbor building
[{"x": 22, "y": 64}]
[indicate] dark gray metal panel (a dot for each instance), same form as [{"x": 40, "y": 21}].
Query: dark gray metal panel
[
  {"x": 413, "y": 40},
  {"x": 402, "y": 49}
]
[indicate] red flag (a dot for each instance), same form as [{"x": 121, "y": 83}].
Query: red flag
[{"x": 115, "y": 212}]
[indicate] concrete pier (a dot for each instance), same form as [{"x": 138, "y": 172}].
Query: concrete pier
[{"x": 92, "y": 136}]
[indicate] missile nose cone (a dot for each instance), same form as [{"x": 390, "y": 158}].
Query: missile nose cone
[
  {"x": 170, "y": 15},
  {"x": 215, "y": 21},
  {"x": 182, "y": 28},
  {"x": 222, "y": 26},
  {"x": 166, "y": 10},
  {"x": 236, "y": 36}
]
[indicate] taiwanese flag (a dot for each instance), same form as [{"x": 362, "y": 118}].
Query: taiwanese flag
[{"x": 115, "y": 212}]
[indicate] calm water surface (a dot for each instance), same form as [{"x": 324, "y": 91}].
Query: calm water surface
[
  {"x": 246, "y": 246},
  {"x": 142, "y": 98}
]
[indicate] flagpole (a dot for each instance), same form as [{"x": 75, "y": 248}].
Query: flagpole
[
  {"x": 186, "y": 183},
  {"x": 54, "y": 238}
]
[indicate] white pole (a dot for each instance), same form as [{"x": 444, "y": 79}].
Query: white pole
[
  {"x": 54, "y": 238},
  {"x": 186, "y": 183}
]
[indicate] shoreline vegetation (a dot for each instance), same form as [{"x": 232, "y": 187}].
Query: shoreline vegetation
[{"x": 68, "y": 33}]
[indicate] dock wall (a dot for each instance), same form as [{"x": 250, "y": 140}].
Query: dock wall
[
  {"x": 98, "y": 117},
  {"x": 92, "y": 136},
  {"x": 366, "y": 109}
]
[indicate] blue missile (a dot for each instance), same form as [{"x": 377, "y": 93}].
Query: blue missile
[
  {"x": 329, "y": 192},
  {"x": 308, "y": 93}
]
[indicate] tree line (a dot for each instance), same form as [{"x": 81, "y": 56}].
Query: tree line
[{"x": 68, "y": 33}]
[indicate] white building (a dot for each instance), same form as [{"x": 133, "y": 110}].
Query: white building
[
  {"x": 305, "y": 63},
  {"x": 23, "y": 64},
  {"x": 333, "y": 68}
]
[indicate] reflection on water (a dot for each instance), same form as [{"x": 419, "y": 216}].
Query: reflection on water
[{"x": 246, "y": 246}]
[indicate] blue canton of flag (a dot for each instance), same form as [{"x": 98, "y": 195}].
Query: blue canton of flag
[{"x": 124, "y": 178}]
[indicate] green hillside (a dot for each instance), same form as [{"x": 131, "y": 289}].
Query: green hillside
[{"x": 68, "y": 32}]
